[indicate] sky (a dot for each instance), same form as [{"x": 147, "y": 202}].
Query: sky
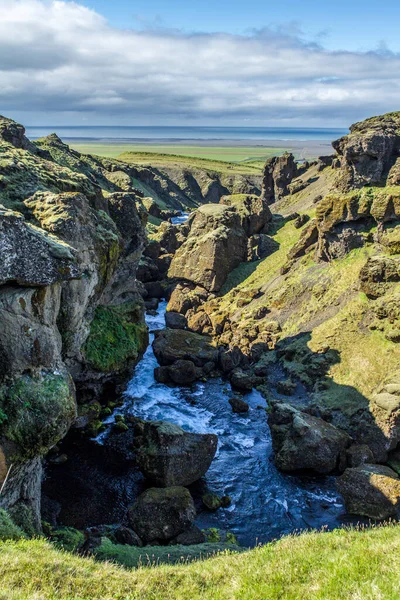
[{"x": 253, "y": 63}]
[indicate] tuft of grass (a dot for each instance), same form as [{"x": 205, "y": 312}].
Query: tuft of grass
[{"x": 346, "y": 564}]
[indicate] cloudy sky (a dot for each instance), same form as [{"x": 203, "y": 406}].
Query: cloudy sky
[{"x": 155, "y": 62}]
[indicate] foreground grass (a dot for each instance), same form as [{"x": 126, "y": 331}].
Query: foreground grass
[{"x": 342, "y": 564}]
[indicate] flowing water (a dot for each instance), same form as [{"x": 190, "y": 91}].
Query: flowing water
[{"x": 265, "y": 503}]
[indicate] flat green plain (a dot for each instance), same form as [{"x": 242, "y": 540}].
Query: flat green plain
[{"x": 146, "y": 152}]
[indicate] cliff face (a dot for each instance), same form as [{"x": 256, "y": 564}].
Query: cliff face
[{"x": 71, "y": 316}]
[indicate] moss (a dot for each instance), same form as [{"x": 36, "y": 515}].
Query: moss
[
  {"x": 67, "y": 538},
  {"x": 8, "y": 529},
  {"x": 39, "y": 411},
  {"x": 23, "y": 517},
  {"x": 117, "y": 337}
]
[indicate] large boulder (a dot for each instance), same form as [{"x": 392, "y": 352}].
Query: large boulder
[
  {"x": 378, "y": 274},
  {"x": 371, "y": 491},
  {"x": 184, "y": 372},
  {"x": 304, "y": 442},
  {"x": 171, "y": 345},
  {"x": 216, "y": 244},
  {"x": 160, "y": 514},
  {"x": 169, "y": 456}
]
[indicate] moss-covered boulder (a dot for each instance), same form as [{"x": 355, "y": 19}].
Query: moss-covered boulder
[
  {"x": 162, "y": 513},
  {"x": 169, "y": 456},
  {"x": 171, "y": 345}
]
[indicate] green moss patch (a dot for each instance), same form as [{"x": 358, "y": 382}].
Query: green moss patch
[
  {"x": 8, "y": 529},
  {"x": 117, "y": 337}
]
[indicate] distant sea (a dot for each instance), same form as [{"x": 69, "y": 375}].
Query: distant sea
[{"x": 124, "y": 134}]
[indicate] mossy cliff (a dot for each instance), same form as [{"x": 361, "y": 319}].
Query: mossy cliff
[
  {"x": 322, "y": 305},
  {"x": 70, "y": 309}
]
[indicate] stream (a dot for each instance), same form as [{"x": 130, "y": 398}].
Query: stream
[{"x": 265, "y": 503}]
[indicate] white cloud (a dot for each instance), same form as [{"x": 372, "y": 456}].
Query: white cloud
[{"x": 61, "y": 57}]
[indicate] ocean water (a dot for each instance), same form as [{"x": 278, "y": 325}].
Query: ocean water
[{"x": 179, "y": 134}]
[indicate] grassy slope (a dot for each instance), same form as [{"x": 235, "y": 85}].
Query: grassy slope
[
  {"x": 145, "y": 153},
  {"x": 345, "y": 564}
]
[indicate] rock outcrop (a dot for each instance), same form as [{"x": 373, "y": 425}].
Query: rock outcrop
[
  {"x": 70, "y": 312},
  {"x": 279, "y": 171},
  {"x": 169, "y": 456}
]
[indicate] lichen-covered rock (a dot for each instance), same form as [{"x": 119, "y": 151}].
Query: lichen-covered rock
[
  {"x": 370, "y": 490},
  {"x": 32, "y": 257},
  {"x": 385, "y": 408},
  {"x": 279, "y": 171},
  {"x": 186, "y": 296},
  {"x": 169, "y": 456},
  {"x": 378, "y": 275},
  {"x": 160, "y": 514},
  {"x": 216, "y": 244},
  {"x": 304, "y": 442},
  {"x": 171, "y": 345}
]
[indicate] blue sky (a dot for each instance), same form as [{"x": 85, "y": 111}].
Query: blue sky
[
  {"x": 338, "y": 24},
  {"x": 253, "y": 63}
]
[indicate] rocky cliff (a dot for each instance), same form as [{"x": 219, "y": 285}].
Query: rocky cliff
[{"x": 71, "y": 315}]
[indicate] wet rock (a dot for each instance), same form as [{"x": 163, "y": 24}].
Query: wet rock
[
  {"x": 230, "y": 359},
  {"x": 171, "y": 345},
  {"x": 244, "y": 381},
  {"x": 304, "y": 442},
  {"x": 184, "y": 372},
  {"x": 162, "y": 513},
  {"x": 238, "y": 405},
  {"x": 370, "y": 490},
  {"x": 151, "y": 303},
  {"x": 168, "y": 456},
  {"x": 126, "y": 536},
  {"x": 211, "y": 501},
  {"x": 161, "y": 374},
  {"x": 175, "y": 320}
]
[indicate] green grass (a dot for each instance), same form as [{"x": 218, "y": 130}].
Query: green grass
[
  {"x": 345, "y": 564},
  {"x": 144, "y": 151}
]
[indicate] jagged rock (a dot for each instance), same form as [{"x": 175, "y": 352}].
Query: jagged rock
[
  {"x": 253, "y": 211},
  {"x": 199, "y": 322},
  {"x": 184, "y": 372},
  {"x": 324, "y": 161},
  {"x": 126, "y": 536},
  {"x": 279, "y": 171},
  {"x": 216, "y": 244},
  {"x": 147, "y": 270},
  {"x": 171, "y": 345},
  {"x": 370, "y": 150},
  {"x": 162, "y": 514},
  {"x": 304, "y": 442},
  {"x": 378, "y": 274},
  {"x": 308, "y": 238},
  {"x": 301, "y": 220},
  {"x": 260, "y": 246},
  {"x": 168, "y": 456},
  {"x": 152, "y": 249},
  {"x": 370, "y": 490},
  {"x": 175, "y": 320},
  {"x": 170, "y": 237}
]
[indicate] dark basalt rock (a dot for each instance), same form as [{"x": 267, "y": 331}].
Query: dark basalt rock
[
  {"x": 238, "y": 405},
  {"x": 162, "y": 513},
  {"x": 303, "y": 442},
  {"x": 175, "y": 320},
  {"x": 169, "y": 456},
  {"x": 126, "y": 536},
  {"x": 279, "y": 171}
]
